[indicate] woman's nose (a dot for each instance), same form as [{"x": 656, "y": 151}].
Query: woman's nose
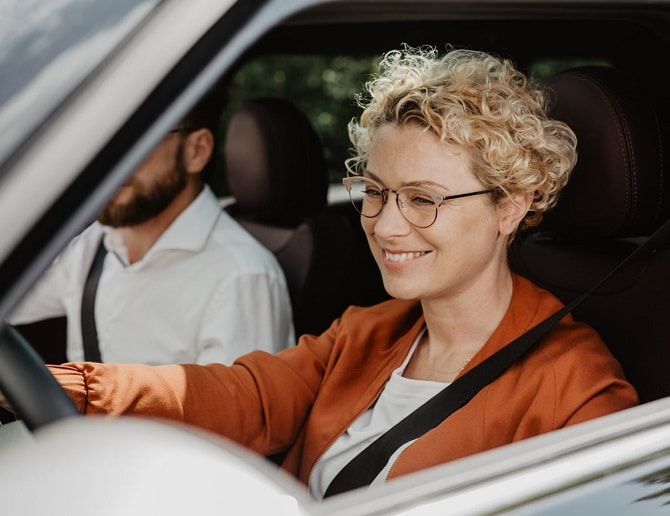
[{"x": 390, "y": 221}]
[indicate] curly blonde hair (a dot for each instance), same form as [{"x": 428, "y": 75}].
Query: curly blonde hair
[{"x": 477, "y": 101}]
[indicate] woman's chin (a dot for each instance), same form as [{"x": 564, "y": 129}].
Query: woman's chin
[{"x": 399, "y": 291}]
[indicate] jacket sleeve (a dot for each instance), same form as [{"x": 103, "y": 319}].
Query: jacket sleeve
[{"x": 261, "y": 401}]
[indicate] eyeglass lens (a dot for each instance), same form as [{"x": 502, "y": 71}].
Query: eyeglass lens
[{"x": 417, "y": 205}]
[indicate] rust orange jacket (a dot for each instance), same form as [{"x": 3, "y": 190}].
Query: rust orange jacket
[{"x": 303, "y": 398}]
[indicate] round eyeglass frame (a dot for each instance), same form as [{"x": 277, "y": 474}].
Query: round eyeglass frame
[{"x": 438, "y": 199}]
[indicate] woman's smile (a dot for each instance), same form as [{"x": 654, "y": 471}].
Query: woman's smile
[{"x": 402, "y": 256}]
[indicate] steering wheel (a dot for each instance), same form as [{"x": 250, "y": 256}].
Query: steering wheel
[{"x": 28, "y": 385}]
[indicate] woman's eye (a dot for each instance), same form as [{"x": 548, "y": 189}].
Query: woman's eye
[
  {"x": 372, "y": 192},
  {"x": 420, "y": 199}
]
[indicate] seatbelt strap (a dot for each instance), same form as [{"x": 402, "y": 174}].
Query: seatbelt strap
[
  {"x": 365, "y": 467},
  {"x": 89, "y": 332}
]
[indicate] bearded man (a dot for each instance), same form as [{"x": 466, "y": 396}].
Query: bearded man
[{"x": 179, "y": 280}]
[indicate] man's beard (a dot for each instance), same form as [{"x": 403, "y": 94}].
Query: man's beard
[{"x": 147, "y": 201}]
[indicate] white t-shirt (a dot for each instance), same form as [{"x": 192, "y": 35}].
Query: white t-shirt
[
  {"x": 206, "y": 292},
  {"x": 400, "y": 397}
]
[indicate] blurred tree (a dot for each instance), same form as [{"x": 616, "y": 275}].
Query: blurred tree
[{"x": 323, "y": 87}]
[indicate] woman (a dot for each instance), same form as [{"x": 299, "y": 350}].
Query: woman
[{"x": 454, "y": 155}]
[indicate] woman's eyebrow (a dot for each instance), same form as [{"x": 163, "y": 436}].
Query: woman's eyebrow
[
  {"x": 372, "y": 175},
  {"x": 428, "y": 184}
]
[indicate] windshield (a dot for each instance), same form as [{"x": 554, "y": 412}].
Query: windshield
[{"x": 47, "y": 48}]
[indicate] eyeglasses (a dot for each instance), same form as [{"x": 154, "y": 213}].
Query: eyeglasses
[{"x": 418, "y": 205}]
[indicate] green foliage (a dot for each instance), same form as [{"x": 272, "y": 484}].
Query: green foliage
[
  {"x": 323, "y": 87},
  {"x": 545, "y": 68}
]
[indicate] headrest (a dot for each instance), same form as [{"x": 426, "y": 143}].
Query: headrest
[
  {"x": 617, "y": 186},
  {"x": 274, "y": 162}
]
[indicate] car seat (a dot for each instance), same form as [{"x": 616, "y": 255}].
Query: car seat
[
  {"x": 277, "y": 175},
  {"x": 616, "y": 197}
]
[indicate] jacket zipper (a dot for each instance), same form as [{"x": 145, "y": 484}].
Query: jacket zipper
[
  {"x": 395, "y": 461},
  {"x": 388, "y": 475}
]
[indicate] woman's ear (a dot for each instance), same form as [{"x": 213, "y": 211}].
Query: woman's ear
[
  {"x": 512, "y": 209},
  {"x": 198, "y": 150}
]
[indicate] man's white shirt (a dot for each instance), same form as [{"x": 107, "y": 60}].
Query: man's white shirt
[{"x": 206, "y": 292}]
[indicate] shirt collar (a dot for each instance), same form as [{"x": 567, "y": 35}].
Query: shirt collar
[{"x": 188, "y": 232}]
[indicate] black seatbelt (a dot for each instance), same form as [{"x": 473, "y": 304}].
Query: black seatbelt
[
  {"x": 365, "y": 467},
  {"x": 89, "y": 333}
]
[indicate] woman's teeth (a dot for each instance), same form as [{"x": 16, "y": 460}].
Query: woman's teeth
[{"x": 402, "y": 257}]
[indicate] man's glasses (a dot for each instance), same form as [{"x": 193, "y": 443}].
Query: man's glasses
[{"x": 418, "y": 205}]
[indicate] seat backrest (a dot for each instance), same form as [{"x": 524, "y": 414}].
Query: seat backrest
[
  {"x": 277, "y": 174},
  {"x": 616, "y": 197}
]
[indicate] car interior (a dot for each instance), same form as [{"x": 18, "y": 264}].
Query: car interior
[
  {"x": 597, "y": 70},
  {"x": 618, "y": 194},
  {"x": 279, "y": 182},
  {"x": 615, "y": 198}
]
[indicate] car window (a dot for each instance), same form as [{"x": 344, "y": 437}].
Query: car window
[{"x": 47, "y": 49}]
